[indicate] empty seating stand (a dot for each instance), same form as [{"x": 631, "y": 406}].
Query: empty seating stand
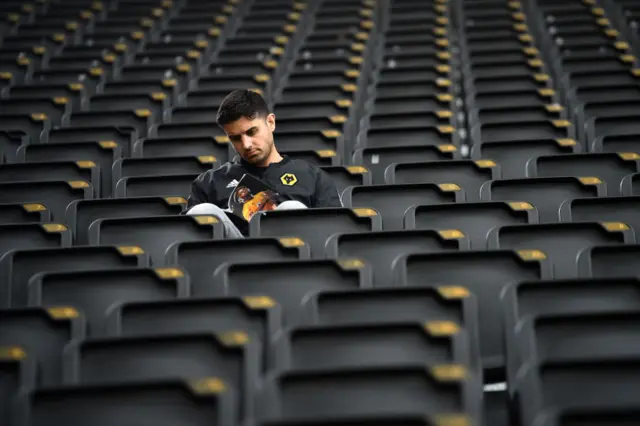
[{"x": 486, "y": 153}]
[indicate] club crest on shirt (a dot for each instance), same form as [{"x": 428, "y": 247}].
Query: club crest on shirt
[{"x": 288, "y": 179}]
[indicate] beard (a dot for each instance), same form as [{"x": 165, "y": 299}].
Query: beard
[{"x": 260, "y": 155}]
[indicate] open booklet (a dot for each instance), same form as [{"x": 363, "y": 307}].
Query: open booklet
[{"x": 251, "y": 196}]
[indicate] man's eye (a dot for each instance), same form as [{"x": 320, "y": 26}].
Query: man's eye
[
  {"x": 251, "y": 132},
  {"x": 234, "y": 138}
]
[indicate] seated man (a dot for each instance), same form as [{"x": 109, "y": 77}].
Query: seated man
[{"x": 247, "y": 121}]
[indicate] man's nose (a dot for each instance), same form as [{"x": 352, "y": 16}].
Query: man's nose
[{"x": 247, "y": 142}]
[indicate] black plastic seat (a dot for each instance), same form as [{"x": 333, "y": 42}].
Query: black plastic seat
[
  {"x": 526, "y": 300},
  {"x": 545, "y": 194},
  {"x": 474, "y": 220},
  {"x": 257, "y": 316},
  {"x": 155, "y": 186},
  {"x": 154, "y": 234},
  {"x": 380, "y": 249},
  {"x": 195, "y": 402},
  {"x": 326, "y": 222},
  {"x": 56, "y": 195},
  {"x": 162, "y": 166},
  {"x": 347, "y": 176},
  {"x": 484, "y": 274},
  {"x": 380, "y": 391},
  {"x": 201, "y": 258},
  {"x": 33, "y": 235},
  {"x": 102, "y": 154},
  {"x": 43, "y": 334},
  {"x": 232, "y": 356},
  {"x": 180, "y": 147},
  {"x": 290, "y": 282},
  {"x": 18, "y": 266},
  {"x": 322, "y": 348},
  {"x": 608, "y": 209},
  {"x": 586, "y": 383},
  {"x": 610, "y": 168},
  {"x": 561, "y": 243},
  {"x": 78, "y": 171},
  {"x": 378, "y": 159},
  {"x": 468, "y": 175},
  {"x": 513, "y": 156},
  {"x": 24, "y": 213},
  {"x": 391, "y": 201},
  {"x": 18, "y": 371},
  {"x": 609, "y": 261},
  {"x": 93, "y": 293}
]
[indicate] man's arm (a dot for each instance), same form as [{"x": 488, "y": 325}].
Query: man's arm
[
  {"x": 200, "y": 191},
  {"x": 326, "y": 191}
]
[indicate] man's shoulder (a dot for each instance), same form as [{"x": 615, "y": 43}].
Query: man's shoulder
[
  {"x": 217, "y": 172},
  {"x": 302, "y": 165}
]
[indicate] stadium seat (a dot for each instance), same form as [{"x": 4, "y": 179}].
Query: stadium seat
[
  {"x": 609, "y": 209},
  {"x": 533, "y": 299},
  {"x": 380, "y": 249},
  {"x": 290, "y": 281},
  {"x": 232, "y": 356},
  {"x": 610, "y": 168},
  {"x": 561, "y": 243},
  {"x": 43, "y": 334},
  {"x": 154, "y": 234},
  {"x": 24, "y": 213},
  {"x": 103, "y": 154},
  {"x": 196, "y": 401},
  {"x": 468, "y": 175},
  {"x": 513, "y": 156},
  {"x": 81, "y": 214},
  {"x": 139, "y": 167},
  {"x": 155, "y": 186},
  {"x": 179, "y": 147},
  {"x": 592, "y": 336},
  {"x": 545, "y": 194},
  {"x": 17, "y": 267},
  {"x": 56, "y": 109},
  {"x": 484, "y": 274},
  {"x": 378, "y": 159},
  {"x": 608, "y": 261},
  {"x": 326, "y": 222},
  {"x": 312, "y": 395},
  {"x": 391, "y": 201},
  {"x": 474, "y": 220},
  {"x": 346, "y": 176},
  {"x": 616, "y": 143},
  {"x": 202, "y": 258},
  {"x": 35, "y": 126},
  {"x": 567, "y": 384},
  {"x": 79, "y": 171},
  {"x": 55, "y": 194},
  {"x": 33, "y": 235},
  {"x": 17, "y": 374},
  {"x": 93, "y": 293},
  {"x": 322, "y": 348}
]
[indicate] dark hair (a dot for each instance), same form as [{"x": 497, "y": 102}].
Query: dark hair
[{"x": 241, "y": 103}]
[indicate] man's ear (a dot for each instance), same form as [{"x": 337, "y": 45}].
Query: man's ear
[{"x": 271, "y": 121}]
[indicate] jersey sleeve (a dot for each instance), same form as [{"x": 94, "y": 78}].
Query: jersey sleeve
[
  {"x": 326, "y": 191},
  {"x": 200, "y": 192}
]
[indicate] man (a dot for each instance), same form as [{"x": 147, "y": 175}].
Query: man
[{"x": 247, "y": 121}]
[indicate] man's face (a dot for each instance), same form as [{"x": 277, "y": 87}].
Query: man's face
[{"x": 252, "y": 139}]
